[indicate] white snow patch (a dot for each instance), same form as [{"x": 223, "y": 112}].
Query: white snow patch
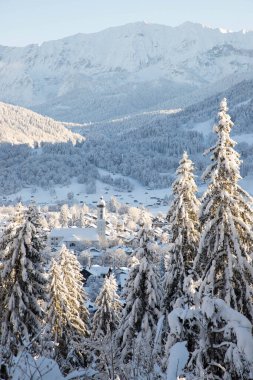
[{"x": 179, "y": 356}]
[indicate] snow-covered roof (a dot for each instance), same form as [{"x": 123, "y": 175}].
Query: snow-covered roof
[
  {"x": 75, "y": 234},
  {"x": 98, "y": 270},
  {"x": 122, "y": 279},
  {"x": 95, "y": 253},
  {"x": 122, "y": 276}
]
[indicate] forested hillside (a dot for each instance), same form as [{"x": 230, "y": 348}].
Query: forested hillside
[
  {"x": 22, "y": 126},
  {"x": 145, "y": 146}
]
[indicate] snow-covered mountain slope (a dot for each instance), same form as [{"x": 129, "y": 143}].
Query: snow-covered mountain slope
[
  {"x": 148, "y": 146},
  {"x": 145, "y": 146},
  {"x": 22, "y": 126},
  {"x": 123, "y": 70}
]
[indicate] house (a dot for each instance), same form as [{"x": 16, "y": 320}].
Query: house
[
  {"x": 121, "y": 275},
  {"x": 96, "y": 255},
  {"x": 74, "y": 238},
  {"x": 97, "y": 271}
]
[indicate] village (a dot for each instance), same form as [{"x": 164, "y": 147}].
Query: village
[{"x": 106, "y": 242}]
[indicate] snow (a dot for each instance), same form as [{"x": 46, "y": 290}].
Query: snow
[
  {"x": 87, "y": 67},
  {"x": 244, "y": 137},
  {"x": 240, "y": 324},
  {"x": 122, "y": 277},
  {"x": 97, "y": 270},
  {"x": 26, "y": 368},
  {"x": 45, "y": 197},
  {"x": 22, "y": 126},
  {"x": 177, "y": 360},
  {"x": 75, "y": 234},
  {"x": 205, "y": 127}
]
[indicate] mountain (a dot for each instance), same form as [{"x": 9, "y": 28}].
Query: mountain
[
  {"x": 145, "y": 146},
  {"x": 22, "y": 126},
  {"x": 149, "y": 145},
  {"x": 124, "y": 70},
  {"x": 38, "y": 151}
]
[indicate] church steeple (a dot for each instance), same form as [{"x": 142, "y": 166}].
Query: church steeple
[{"x": 101, "y": 218}]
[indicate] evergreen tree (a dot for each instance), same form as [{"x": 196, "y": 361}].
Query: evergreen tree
[
  {"x": 224, "y": 260},
  {"x": 107, "y": 316},
  {"x": 67, "y": 313},
  {"x": 219, "y": 341},
  {"x": 73, "y": 280},
  {"x": 24, "y": 282},
  {"x": 58, "y": 312},
  {"x": 141, "y": 312},
  {"x": 64, "y": 216},
  {"x": 184, "y": 225},
  {"x": 105, "y": 323},
  {"x": 222, "y": 351}
]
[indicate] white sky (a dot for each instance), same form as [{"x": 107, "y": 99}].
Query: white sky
[{"x": 33, "y": 21}]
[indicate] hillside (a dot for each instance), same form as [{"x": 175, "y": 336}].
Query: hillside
[
  {"x": 22, "y": 126},
  {"x": 148, "y": 146},
  {"x": 124, "y": 70}
]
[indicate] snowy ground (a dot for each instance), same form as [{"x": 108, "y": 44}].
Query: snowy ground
[{"x": 139, "y": 197}]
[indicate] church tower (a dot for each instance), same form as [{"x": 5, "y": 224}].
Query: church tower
[{"x": 101, "y": 219}]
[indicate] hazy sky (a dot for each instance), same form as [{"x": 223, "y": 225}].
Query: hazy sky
[{"x": 34, "y": 21}]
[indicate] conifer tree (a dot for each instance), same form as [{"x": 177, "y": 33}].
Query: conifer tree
[
  {"x": 107, "y": 316},
  {"x": 73, "y": 280},
  {"x": 224, "y": 343},
  {"x": 184, "y": 225},
  {"x": 58, "y": 312},
  {"x": 67, "y": 313},
  {"x": 224, "y": 260},
  {"x": 219, "y": 341},
  {"x": 24, "y": 282},
  {"x": 105, "y": 323},
  {"x": 64, "y": 216},
  {"x": 142, "y": 310}
]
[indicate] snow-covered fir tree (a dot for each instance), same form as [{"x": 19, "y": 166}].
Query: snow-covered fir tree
[
  {"x": 64, "y": 216},
  {"x": 24, "y": 283},
  {"x": 224, "y": 345},
  {"x": 107, "y": 316},
  {"x": 218, "y": 339},
  {"x": 184, "y": 225},
  {"x": 224, "y": 260},
  {"x": 75, "y": 313},
  {"x": 184, "y": 228},
  {"x": 73, "y": 280},
  {"x": 105, "y": 323},
  {"x": 58, "y": 314},
  {"x": 140, "y": 315}
]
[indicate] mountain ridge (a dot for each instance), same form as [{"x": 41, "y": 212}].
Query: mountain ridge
[
  {"x": 19, "y": 125},
  {"x": 122, "y": 70}
]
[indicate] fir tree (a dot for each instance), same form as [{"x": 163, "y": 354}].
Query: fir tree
[
  {"x": 105, "y": 323},
  {"x": 64, "y": 216},
  {"x": 24, "y": 282},
  {"x": 72, "y": 351},
  {"x": 107, "y": 316},
  {"x": 73, "y": 280},
  {"x": 141, "y": 312},
  {"x": 58, "y": 313},
  {"x": 184, "y": 225},
  {"x": 218, "y": 339},
  {"x": 224, "y": 260}
]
